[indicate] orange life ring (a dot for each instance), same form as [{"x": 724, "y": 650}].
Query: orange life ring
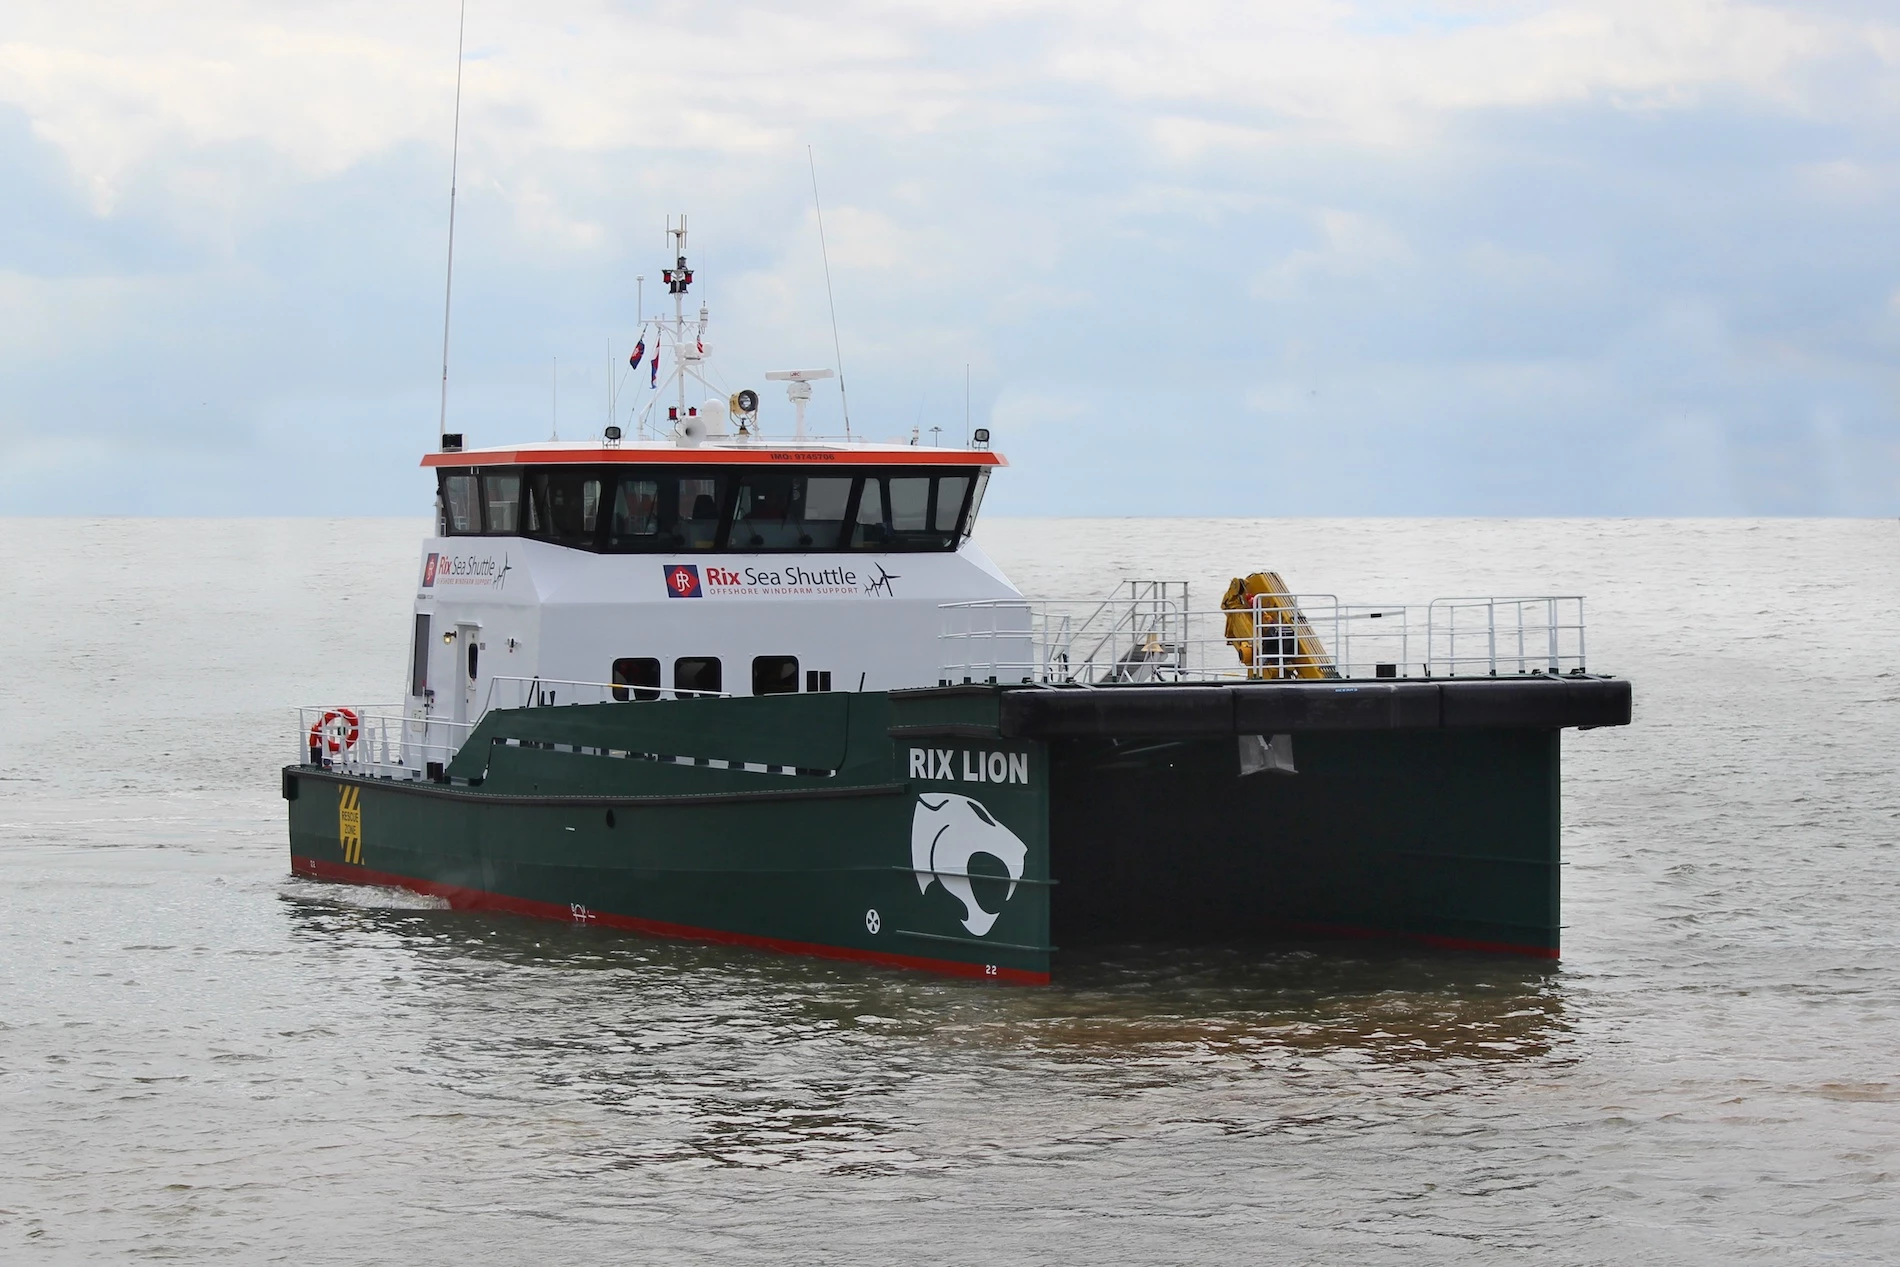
[{"x": 336, "y": 739}]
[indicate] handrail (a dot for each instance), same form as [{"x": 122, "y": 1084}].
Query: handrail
[
  {"x": 1144, "y": 634},
  {"x": 389, "y": 744},
  {"x": 535, "y": 684},
  {"x": 394, "y": 743}
]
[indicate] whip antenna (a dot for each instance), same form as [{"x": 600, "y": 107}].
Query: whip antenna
[
  {"x": 836, "y": 350},
  {"x": 448, "y": 281}
]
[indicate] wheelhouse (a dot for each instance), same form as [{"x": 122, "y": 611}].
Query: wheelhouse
[{"x": 738, "y": 500}]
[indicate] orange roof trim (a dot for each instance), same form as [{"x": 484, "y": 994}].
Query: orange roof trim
[{"x": 761, "y": 456}]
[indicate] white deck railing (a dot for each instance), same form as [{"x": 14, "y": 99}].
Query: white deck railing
[
  {"x": 1472, "y": 637},
  {"x": 383, "y": 741},
  {"x": 379, "y": 740},
  {"x": 1151, "y": 633}
]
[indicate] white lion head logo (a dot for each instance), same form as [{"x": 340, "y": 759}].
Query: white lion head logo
[{"x": 946, "y": 831}]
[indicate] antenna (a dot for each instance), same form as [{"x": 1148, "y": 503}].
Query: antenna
[
  {"x": 837, "y": 351},
  {"x": 799, "y": 391},
  {"x": 448, "y": 281},
  {"x": 966, "y": 404}
]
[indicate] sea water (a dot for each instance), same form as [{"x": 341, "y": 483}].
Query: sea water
[{"x": 203, "y": 1059}]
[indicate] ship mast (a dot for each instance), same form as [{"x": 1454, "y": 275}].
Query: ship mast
[
  {"x": 685, "y": 352},
  {"x": 677, "y": 280}
]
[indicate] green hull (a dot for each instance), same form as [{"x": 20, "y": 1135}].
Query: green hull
[{"x": 927, "y": 829}]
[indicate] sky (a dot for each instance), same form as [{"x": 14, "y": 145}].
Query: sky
[{"x": 1288, "y": 257}]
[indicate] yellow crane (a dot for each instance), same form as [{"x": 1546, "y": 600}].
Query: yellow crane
[{"x": 1265, "y": 625}]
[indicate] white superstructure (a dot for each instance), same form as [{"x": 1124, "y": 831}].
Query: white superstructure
[{"x": 517, "y": 608}]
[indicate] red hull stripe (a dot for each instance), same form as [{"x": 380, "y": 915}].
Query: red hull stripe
[
  {"x": 761, "y": 456},
  {"x": 1356, "y": 933},
  {"x": 481, "y": 900}
]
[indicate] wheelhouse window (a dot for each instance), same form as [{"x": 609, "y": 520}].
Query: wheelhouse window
[
  {"x": 910, "y": 503},
  {"x": 775, "y": 675},
  {"x": 946, "y": 502},
  {"x": 787, "y": 510},
  {"x": 636, "y": 677},
  {"x": 567, "y": 505},
  {"x": 487, "y": 503},
  {"x": 868, "y": 529},
  {"x": 501, "y": 503},
  {"x": 696, "y": 511},
  {"x": 636, "y": 518},
  {"x": 697, "y": 675},
  {"x": 665, "y": 511},
  {"x": 763, "y": 509},
  {"x": 981, "y": 482},
  {"x": 461, "y": 509},
  {"x": 910, "y": 512}
]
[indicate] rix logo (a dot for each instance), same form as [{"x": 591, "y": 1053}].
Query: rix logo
[
  {"x": 946, "y": 831},
  {"x": 428, "y": 571},
  {"x": 682, "y": 580}
]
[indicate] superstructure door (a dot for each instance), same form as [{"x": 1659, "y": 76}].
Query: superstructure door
[{"x": 468, "y": 652}]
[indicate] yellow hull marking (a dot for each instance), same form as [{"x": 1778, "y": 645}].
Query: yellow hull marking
[{"x": 349, "y": 823}]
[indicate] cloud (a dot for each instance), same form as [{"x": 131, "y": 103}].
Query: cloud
[
  {"x": 1380, "y": 257},
  {"x": 1351, "y": 244},
  {"x": 1016, "y": 409}
]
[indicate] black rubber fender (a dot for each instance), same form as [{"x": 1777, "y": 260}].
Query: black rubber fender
[
  {"x": 1539, "y": 703},
  {"x": 1118, "y": 710},
  {"x": 1281, "y": 707}
]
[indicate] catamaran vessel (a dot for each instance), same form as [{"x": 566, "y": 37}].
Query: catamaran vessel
[{"x": 704, "y": 682}]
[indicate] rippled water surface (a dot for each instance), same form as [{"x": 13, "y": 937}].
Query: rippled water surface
[{"x": 203, "y": 1060}]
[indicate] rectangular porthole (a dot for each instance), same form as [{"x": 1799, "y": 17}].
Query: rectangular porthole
[
  {"x": 775, "y": 675},
  {"x": 817, "y": 679},
  {"x": 697, "y": 675},
  {"x": 636, "y": 677}
]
